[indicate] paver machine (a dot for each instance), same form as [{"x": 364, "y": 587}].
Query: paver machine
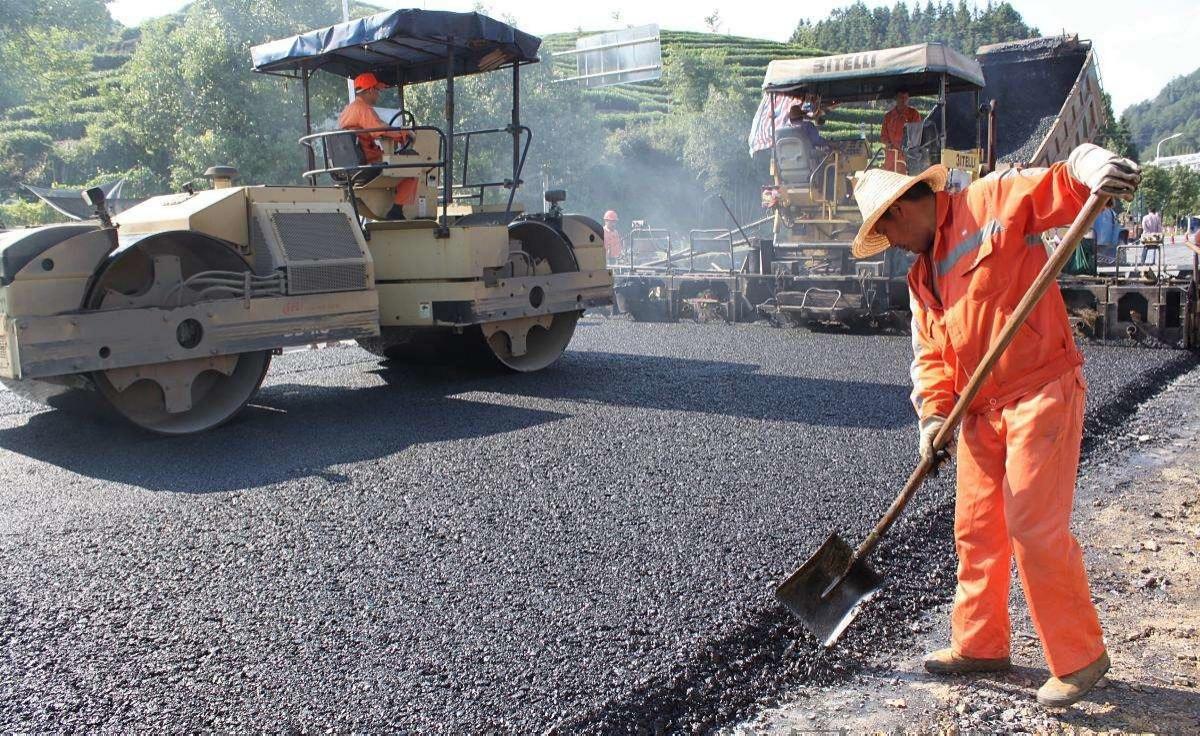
[
  {"x": 814, "y": 277},
  {"x": 804, "y": 273},
  {"x": 170, "y": 312}
]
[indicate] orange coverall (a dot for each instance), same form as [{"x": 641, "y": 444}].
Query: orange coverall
[
  {"x": 359, "y": 115},
  {"x": 892, "y": 135},
  {"x": 1018, "y": 449},
  {"x": 612, "y": 243}
]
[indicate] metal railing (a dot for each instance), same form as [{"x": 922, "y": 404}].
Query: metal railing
[
  {"x": 509, "y": 184},
  {"x": 309, "y": 141}
]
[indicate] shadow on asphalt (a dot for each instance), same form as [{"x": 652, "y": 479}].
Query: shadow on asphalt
[
  {"x": 289, "y": 431},
  {"x": 296, "y": 430},
  {"x": 686, "y": 385}
]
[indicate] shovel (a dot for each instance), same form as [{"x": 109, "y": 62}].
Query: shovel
[{"x": 829, "y": 590}]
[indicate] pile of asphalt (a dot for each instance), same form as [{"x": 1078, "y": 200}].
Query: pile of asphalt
[{"x": 592, "y": 548}]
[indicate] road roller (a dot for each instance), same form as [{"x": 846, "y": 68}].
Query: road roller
[{"x": 169, "y": 313}]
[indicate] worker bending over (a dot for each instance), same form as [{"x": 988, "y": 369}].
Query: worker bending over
[
  {"x": 978, "y": 252},
  {"x": 360, "y": 115},
  {"x": 892, "y": 133}
]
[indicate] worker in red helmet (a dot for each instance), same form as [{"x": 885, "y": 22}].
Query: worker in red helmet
[
  {"x": 612, "y": 238},
  {"x": 360, "y": 115}
]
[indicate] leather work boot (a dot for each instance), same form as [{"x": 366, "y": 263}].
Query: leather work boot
[
  {"x": 1059, "y": 692},
  {"x": 946, "y": 662}
]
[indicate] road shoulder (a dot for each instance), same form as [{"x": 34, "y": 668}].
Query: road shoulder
[{"x": 1137, "y": 516}]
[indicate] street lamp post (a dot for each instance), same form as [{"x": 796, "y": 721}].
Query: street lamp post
[{"x": 1158, "y": 148}]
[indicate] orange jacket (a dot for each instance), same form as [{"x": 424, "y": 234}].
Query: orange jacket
[
  {"x": 892, "y": 133},
  {"x": 359, "y": 115},
  {"x": 986, "y": 253},
  {"x": 612, "y": 243}
]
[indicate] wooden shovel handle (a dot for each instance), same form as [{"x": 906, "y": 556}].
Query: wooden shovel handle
[{"x": 1082, "y": 224}]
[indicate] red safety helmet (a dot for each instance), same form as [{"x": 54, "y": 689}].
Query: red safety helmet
[
  {"x": 610, "y": 216},
  {"x": 366, "y": 81}
]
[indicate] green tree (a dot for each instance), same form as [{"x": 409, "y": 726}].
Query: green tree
[
  {"x": 1115, "y": 135},
  {"x": 1183, "y": 197},
  {"x": 1155, "y": 190},
  {"x": 191, "y": 101},
  {"x": 691, "y": 74}
]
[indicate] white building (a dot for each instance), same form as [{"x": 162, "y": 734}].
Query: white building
[{"x": 1191, "y": 160}]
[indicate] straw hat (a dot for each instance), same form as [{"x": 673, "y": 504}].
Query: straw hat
[{"x": 877, "y": 189}]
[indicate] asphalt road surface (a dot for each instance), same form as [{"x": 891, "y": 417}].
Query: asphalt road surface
[{"x": 591, "y": 548}]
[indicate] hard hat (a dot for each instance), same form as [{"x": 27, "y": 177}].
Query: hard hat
[
  {"x": 610, "y": 216},
  {"x": 366, "y": 81}
]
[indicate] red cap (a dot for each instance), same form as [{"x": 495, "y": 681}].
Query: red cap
[{"x": 366, "y": 81}]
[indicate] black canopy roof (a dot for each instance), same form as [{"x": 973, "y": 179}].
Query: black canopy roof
[{"x": 400, "y": 46}]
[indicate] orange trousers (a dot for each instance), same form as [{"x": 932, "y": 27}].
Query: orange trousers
[
  {"x": 1016, "y": 485},
  {"x": 406, "y": 192}
]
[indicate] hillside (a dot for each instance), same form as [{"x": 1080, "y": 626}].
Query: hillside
[
  {"x": 745, "y": 60},
  {"x": 1175, "y": 110}
]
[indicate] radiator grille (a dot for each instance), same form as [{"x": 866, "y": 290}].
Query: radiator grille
[
  {"x": 318, "y": 278},
  {"x": 316, "y": 236}
]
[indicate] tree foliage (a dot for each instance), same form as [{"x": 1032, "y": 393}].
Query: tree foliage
[
  {"x": 858, "y": 27},
  {"x": 1173, "y": 191},
  {"x": 1174, "y": 110}
]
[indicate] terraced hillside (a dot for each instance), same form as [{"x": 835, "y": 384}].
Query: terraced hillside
[{"x": 625, "y": 105}]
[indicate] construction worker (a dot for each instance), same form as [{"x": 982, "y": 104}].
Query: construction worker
[
  {"x": 360, "y": 115},
  {"x": 978, "y": 252},
  {"x": 612, "y": 238},
  {"x": 892, "y": 133},
  {"x": 1107, "y": 234},
  {"x": 802, "y": 118},
  {"x": 1151, "y": 226}
]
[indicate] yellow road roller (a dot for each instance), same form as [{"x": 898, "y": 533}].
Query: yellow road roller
[{"x": 170, "y": 312}]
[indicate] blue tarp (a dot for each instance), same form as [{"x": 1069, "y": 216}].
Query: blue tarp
[{"x": 399, "y": 46}]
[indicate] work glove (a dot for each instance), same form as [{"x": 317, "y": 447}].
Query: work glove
[
  {"x": 1104, "y": 172},
  {"x": 930, "y": 426}
]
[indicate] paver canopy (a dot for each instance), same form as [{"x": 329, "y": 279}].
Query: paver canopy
[{"x": 870, "y": 75}]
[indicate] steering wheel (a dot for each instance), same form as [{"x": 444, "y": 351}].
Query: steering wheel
[{"x": 408, "y": 122}]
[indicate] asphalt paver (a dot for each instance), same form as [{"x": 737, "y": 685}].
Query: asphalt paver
[{"x": 591, "y": 548}]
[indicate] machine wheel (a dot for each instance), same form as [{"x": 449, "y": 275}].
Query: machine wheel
[
  {"x": 531, "y": 344},
  {"x": 196, "y": 392},
  {"x": 523, "y": 344}
]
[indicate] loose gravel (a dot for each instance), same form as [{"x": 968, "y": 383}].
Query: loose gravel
[{"x": 587, "y": 549}]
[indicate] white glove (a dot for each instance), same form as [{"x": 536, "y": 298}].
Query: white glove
[
  {"x": 1104, "y": 171},
  {"x": 930, "y": 426}
]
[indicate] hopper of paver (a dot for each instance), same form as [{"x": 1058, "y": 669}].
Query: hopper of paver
[{"x": 1047, "y": 98}]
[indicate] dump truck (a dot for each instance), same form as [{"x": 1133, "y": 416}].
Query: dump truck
[
  {"x": 169, "y": 313},
  {"x": 1017, "y": 103}
]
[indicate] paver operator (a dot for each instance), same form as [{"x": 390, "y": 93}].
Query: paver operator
[
  {"x": 892, "y": 132},
  {"x": 1018, "y": 447},
  {"x": 360, "y": 115}
]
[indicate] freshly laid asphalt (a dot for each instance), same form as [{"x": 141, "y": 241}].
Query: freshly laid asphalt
[{"x": 592, "y": 548}]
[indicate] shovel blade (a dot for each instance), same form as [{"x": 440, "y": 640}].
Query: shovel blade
[{"x": 827, "y": 614}]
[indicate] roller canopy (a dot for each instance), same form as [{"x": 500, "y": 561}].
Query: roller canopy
[
  {"x": 400, "y": 46},
  {"x": 871, "y": 75}
]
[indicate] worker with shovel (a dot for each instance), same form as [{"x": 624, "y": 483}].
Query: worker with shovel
[{"x": 978, "y": 252}]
